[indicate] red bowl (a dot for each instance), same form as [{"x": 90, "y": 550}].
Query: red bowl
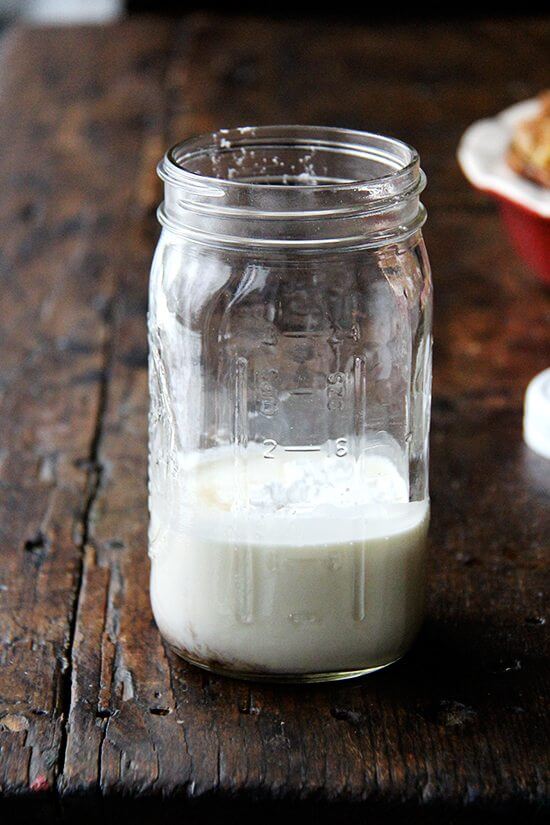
[
  {"x": 524, "y": 206},
  {"x": 530, "y": 235}
]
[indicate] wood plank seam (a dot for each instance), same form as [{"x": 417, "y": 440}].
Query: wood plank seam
[{"x": 92, "y": 486}]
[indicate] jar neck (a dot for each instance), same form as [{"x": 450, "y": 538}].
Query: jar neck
[{"x": 297, "y": 186}]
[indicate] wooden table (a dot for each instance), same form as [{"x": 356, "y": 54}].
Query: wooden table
[{"x": 97, "y": 718}]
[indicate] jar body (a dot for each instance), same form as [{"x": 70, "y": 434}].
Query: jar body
[{"x": 290, "y": 399}]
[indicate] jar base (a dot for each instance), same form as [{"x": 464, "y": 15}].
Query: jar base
[{"x": 279, "y": 678}]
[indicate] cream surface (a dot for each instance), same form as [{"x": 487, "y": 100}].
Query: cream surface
[{"x": 304, "y": 563}]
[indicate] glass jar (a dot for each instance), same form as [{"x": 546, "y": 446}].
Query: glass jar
[{"x": 290, "y": 374}]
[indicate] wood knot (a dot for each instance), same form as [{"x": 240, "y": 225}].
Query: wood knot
[
  {"x": 14, "y": 722},
  {"x": 38, "y": 546}
]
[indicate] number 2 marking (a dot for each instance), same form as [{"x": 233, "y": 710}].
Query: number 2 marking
[{"x": 271, "y": 445}]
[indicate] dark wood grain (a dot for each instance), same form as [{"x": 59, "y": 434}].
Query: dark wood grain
[{"x": 97, "y": 720}]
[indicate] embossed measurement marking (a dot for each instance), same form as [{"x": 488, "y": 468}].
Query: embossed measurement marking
[
  {"x": 304, "y": 449},
  {"x": 267, "y": 394},
  {"x": 339, "y": 335},
  {"x": 301, "y": 391},
  {"x": 340, "y": 447},
  {"x": 335, "y": 391},
  {"x": 301, "y": 334}
]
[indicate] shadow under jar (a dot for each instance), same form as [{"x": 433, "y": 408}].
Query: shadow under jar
[{"x": 290, "y": 374}]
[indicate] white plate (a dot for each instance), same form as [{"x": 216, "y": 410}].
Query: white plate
[{"x": 482, "y": 157}]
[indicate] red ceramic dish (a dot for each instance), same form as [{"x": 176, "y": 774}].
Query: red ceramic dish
[{"x": 524, "y": 206}]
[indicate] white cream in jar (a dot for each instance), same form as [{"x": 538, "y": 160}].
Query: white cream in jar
[{"x": 321, "y": 572}]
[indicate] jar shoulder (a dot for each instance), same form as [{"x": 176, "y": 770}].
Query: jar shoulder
[{"x": 190, "y": 278}]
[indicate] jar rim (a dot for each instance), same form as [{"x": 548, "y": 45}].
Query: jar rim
[
  {"x": 303, "y": 186},
  {"x": 174, "y": 167}
]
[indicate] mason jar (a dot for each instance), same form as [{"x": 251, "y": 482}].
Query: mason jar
[{"x": 290, "y": 374}]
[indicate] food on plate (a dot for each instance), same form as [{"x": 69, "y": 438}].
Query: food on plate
[{"x": 529, "y": 151}]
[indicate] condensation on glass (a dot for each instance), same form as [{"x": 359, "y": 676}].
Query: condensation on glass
[{"x": 290, "y": 373}]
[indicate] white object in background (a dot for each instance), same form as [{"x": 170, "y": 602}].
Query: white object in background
[
  {"x": 65, "y": 12},
  {"x": 536, "y": 417},
  {"x": 482, "y": 156}
]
